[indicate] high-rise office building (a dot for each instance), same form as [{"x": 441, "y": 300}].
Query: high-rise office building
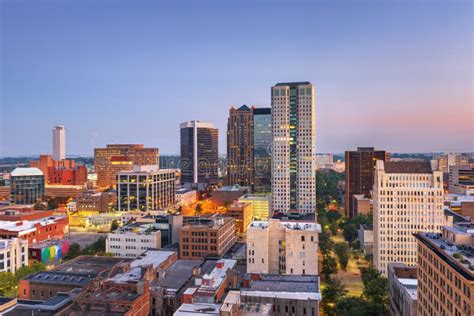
[
  {"x": 118, "y": 157},
  {"x": 199, "y": 153},
  {"x": 446, "y": 271},
  {"x": 262, "y": 142},
  {"x": 407, "y": 199},
  {"x": 294, "y": 148},
  {"x": 26, "y": 186},
  {"x": 59, "y": 143},
  {"x": 146, "y": 188},
  {"x": 240, "y": 146},
  {"x": 360, "y": 169}
]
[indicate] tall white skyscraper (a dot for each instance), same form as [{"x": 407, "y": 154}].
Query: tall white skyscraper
[
  {"x": 59, "y": 143},
  {"x": 408, "y": 199},
  {"x": 294, "y": 147}
]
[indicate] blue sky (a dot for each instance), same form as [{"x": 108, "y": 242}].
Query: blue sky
[{"x": 397, "y": 75}]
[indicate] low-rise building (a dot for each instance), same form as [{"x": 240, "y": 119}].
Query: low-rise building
[
  {"x": 96, "y": 201},
  {"x": 198, "y": 309},
  {"x": 51, "y": 306},
  {"x": 289, "y": 294},
  {"x": 13, "y": 254},
  {"x": 167, "y": 291},
  {"x": 38, "y": 230},
  {"x": 77, "y": 273},
  {"x": 228, "y": 194},
  {"x": 402, "y": 290},
  {"x": 63, "y": 191},
  {"x": 132, "y": 240},
  {"x": 260, "y": 205},
  {"x": 60, "y": 172},
  {"x": 445, "y": 271},
  {"x": 186, "y": 197},
  {"x": 212, "y": 286},
  {"x": 125, "y": 290},
  {"x": 366, "y": 238},
  {"x": 202, "y": 237},
  {"x": 241, "y": 212},
  {"x": 461, "y": 180},
  {"x": 233, "y": 306},
  {"x": 48, "y": 251},
  {"x": 461, "y": 204},
  {"x": 71, "y": 207},
  {"x": 283, "y": 247},
  {"x": 361, "y": 204},
  {"x": 169, "y": 225}
]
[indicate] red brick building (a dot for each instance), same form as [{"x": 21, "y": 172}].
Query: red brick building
[
  {"x": 36, "y": 230},
  {"x": 63, "y": 172}
]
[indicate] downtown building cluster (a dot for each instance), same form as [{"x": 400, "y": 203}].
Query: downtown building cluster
[
  {"x": 180, "y": 242},
  {"x": 422, "y": 236},
  {"x": 239, "y": 238}
]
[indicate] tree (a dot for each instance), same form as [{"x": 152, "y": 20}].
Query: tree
[
  {"x": 342, "y": 251},
  {"x": 8, "y": 283},
  {"x": 350, "y": 232},
  {"x": 39, "y": 206},
  {"x": 375, "y": 288},
  {"x": 52, "y": 204},
  {"x": 333, "y": 228},
  {"x": 74, "y": 251},
  {"x": 114, "y": 225},
  {"x": 376, "y": 291},
  {"x": 351, "y": 306},
  {"x": 25, "y": 271},
  {"x": 329, "y": 266},
  {"x": 326, "y": 245},
  {"x": 333, "y": 290},
  {"x": 369, "y": 274}
]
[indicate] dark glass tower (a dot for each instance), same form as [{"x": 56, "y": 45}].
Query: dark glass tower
[
  {"x": 262, "y": 128},
  {"x": 199, "y": 153},
  {"x": 360, "y": 169}
]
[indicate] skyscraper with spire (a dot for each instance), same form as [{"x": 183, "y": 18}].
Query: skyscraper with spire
[{"x": 240, "y": 147}]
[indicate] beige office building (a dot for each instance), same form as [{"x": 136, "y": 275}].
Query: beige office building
[
  {"x": 277, "y": 247},
  {"x": 407, "y": 199},
  {"x": 294, "y": 147}
]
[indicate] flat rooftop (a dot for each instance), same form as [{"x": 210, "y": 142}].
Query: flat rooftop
[
  {"x": 178, "y": 274},
  {"x": 446, "y": 251},
  {"x": 57, "y": 277},
  {"x": 138, "y": 228},
  {"x": 89, "y": 265},
  {"x": 311, "y": 226},
  {"x": 232, "y": 188},
  {"x": 198, "y": 309},
  {"x": 152, "y": 257},
  {"x": 410, "y": 286},
  {"x": 28, "y": 225},
  {"x": 286, "y": 283}
]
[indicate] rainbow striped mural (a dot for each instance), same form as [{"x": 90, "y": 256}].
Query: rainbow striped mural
[{"x": 54, "y": 252}]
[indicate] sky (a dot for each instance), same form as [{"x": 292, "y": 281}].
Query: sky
[{"x": 397, "y": 75}]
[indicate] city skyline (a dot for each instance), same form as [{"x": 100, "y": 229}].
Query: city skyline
[{"x": 383, "y": 76}]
